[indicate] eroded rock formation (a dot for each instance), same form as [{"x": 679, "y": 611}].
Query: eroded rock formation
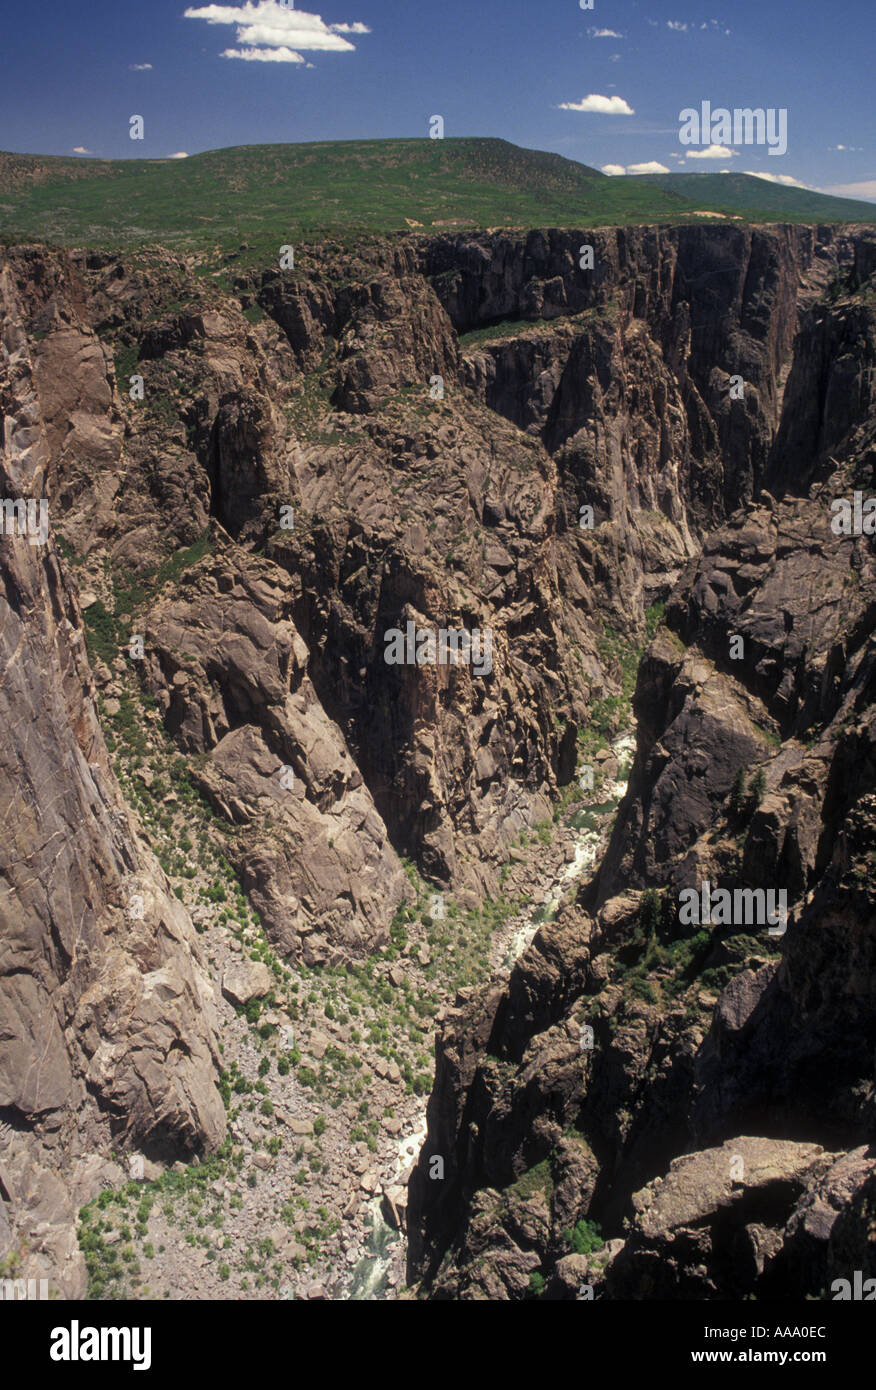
[
  {"x": 107, "y": 1031},
  {"x": 717, "y": 1036},
  {"x": 253, "y": 477}
]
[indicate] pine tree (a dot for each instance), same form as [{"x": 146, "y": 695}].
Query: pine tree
[
  {"x": 737, "y": 794},
  {"x": 757, "y": 786}
]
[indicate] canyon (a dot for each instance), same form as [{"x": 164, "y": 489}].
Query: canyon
[{"x": 253, "y": 873}]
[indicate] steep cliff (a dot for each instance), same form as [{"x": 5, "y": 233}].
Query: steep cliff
[
  {"x": 254, "y": 477},
  {"x": 713, "y": 1045},
  {"x": 107, "y": 1026},
  {"x": 311, "y": 390}
]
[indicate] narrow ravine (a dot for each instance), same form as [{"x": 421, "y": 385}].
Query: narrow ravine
[{"x": 591, "y": 823}]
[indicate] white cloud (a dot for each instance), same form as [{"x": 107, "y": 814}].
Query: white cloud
[
  {"x": 80, "y": 149},
  {"x": 604, "y": 34},
  {"x": 713, "y": 152},
  {"x": 263, "y": 55},
  {"x": 776, "y": 178},
  {"x": 865, "y": 190},
  {"x": 181, "y": 154},
  {"x": 140, "y": 67},
  {"x": 605, "y": 106},
  {"x": 682, "y": 27},
  {"x": 652, "y": 167},
  {"x": 269, "y": 32}
]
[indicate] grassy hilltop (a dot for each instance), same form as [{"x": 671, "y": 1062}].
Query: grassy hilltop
[{"x": 269, "y": 194}]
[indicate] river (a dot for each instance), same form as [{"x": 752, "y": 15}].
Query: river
[{"x": 590, "y": 821}]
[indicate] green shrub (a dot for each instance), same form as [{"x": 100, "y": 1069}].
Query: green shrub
[
  {"x": 643, "y": 989},
  {"x": 102, "y": 634},
  {"x": 649, "y": 910},
  {"x": 653, "y": 619},
  {"x": 585, "y": 1238}
]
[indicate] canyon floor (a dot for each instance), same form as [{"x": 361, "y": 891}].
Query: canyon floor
[{"x": 328, "y": 1083}]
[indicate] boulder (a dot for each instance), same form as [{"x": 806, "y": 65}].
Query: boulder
[{"x": 246, "y": 980}]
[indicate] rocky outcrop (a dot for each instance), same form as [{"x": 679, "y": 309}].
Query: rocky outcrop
[
  {"x": 764, "y": 1216},
  {"x": 754, "y": 771},
  {"x": 710, "y": 1226},
  {"x": 263, "y": 484},
  {"x": 229, "y": 671},
  {"x": 107, "y": 1027},
  {"x": 313, "y": 390}
]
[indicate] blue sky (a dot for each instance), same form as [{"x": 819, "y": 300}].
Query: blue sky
[{"x": 71, "y": 76}]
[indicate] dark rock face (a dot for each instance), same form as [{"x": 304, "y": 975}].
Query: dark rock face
[
  {"x": 414, "y": 508},
  {"x": 763, "y": 666},
  {"x": 797, "y": 596},
  {"x": 715, "y": 304},
  {"x": 316, "y": 460},
  {"x": 830, "y": 390},
  {"x": 707, "y": 1229},
  {"x": 799, "y": 1043}
]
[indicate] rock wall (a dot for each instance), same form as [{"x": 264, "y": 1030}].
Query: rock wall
[
  {"x": 107, "y": 1032},
  {"x": 310, "y": 389},
  {"x": 264, "y": 645},
  {"x": 727, "y": 1094}
]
